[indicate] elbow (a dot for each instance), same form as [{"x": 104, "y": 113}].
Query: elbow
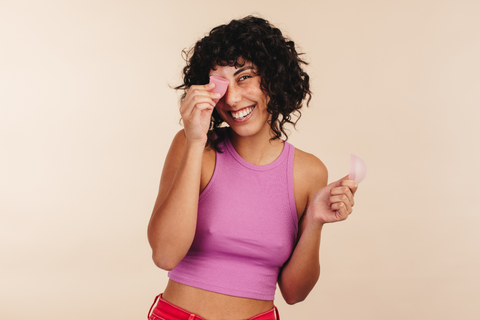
[
  {"x": 294, "y": 293},
  {"x": 165, "y": 254},
  {"x": 164, "y": 262},
  {"x": 162, "y": 257},
  {"x": 294, "y": 300}
]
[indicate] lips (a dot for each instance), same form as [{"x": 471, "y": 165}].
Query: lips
[{"x": 242, "y": 113}]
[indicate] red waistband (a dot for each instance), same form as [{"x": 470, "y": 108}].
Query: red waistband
[{"x": 165, "y": 310}]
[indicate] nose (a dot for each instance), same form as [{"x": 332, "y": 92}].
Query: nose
[{"x": 233, "y": 95}]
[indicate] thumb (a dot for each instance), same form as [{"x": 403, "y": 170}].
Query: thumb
[
  {"x": 338, "y": 183},
  {"x": 328, "y": 187}
]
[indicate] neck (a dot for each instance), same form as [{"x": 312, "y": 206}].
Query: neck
[{"x": 258, "y": 149}]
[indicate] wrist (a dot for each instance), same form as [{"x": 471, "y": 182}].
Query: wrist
[
  {"x": 195, "y": 144},
  {"x": 313, "y": 220},
  {"x": 314, "y": 225}
]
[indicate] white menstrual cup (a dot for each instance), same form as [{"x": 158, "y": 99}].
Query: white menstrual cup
[
  {"x": 221, "y": 85},
  {"x": 358, "y": 169}
]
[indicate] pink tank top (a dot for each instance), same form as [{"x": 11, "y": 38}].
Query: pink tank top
[{"x": 246, "y": 227}]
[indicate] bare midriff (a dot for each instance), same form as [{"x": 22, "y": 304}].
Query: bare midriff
[{"x": 211, "y": 305}]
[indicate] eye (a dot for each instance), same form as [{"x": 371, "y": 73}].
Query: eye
[{"x": 245, "y": 77}]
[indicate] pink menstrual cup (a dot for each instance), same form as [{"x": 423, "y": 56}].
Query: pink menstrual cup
[
  {"x": 358, "y": 169},
  {"x": 221, "y": 85}
]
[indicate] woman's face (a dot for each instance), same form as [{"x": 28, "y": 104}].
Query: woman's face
[{"x": 244, "y": 106}]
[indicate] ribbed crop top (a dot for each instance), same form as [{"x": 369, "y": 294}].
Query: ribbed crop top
[{"x": 246, "y": 227}]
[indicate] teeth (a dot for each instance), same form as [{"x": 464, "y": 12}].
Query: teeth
[{"x": 242, "y": 113}]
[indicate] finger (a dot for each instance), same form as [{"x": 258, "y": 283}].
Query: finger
[
  {"x": 341, "y": 211},
  {"x": 197, "y": 109},
  {"x": 204, "y": 96},
  {"x": 352, "y": 184},
  {"x": 215, "y": 97},
  {"x": 343, "y": 190},
  {"x": 199, "y": 90},
  {"x": 342, "y": 199},
  {"x": 196, "y": 99},
  {"x": 205, "y": 87},
  {"x": 338, "y": 182}
]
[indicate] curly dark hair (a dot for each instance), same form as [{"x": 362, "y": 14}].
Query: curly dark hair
[{"x": 275, "y": 57}]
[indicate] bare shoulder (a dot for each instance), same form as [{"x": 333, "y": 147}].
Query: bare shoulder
[
  {"x": 177, "y": 149},
  {"x": 178, "y": 145},
  {"x": 208, "y": 163},
  {"x": 173, "y": 160},
  {"x": 309, "y": 167},
  {"x": 309, "y": 175},
  {"x": 179, "y": 139}
]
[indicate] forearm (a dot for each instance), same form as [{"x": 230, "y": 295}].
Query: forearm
[
  {"x": 301, "y": 272},
  {"x": 172, "y": 227}
]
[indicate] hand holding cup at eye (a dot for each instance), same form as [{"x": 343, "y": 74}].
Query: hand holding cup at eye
[{"x": 196, "y": 111}]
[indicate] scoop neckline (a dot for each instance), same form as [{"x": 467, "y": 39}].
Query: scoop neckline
[{"x": 265, "y": 167}]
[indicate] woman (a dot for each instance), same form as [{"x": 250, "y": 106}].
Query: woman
[{"x": 239, "y": 208}]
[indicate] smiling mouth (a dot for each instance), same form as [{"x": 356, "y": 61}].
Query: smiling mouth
[{"x": 240, "y": 114}]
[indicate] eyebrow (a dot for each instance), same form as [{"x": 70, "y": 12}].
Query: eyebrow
[{"x": 243, "y": 69}]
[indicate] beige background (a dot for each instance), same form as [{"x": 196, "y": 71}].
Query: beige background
[{"x": 86, "y": 117}]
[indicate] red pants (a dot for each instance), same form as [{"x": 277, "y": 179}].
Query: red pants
[{"x": 168, "y": 311}]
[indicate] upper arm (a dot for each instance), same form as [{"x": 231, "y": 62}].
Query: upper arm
[
  {"x": 170, "y": 165},
  {"x": 300, "y": 273},
  {"x": 172, "y": 162},
  {"x": 309, "y": 175}
]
